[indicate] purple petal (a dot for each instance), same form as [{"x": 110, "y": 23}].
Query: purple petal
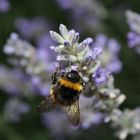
[
  {"x": 100, "y": 76},
  {"x": 100, "y": 41},
  {"x": 133, "y": 39},
  {"x": 113, "y": 46},
  {"x": 96, "y": 52},
  {"x": 114, "y": 66},
  {"x": 66, "y": 4},
  {"x": 4, "y": 5}
]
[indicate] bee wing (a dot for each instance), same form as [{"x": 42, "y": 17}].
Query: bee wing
[
  {"x": 72, "y": 113},
  {"x": 47, "y": 105}
]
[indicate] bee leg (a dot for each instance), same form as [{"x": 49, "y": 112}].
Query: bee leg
[
  {"x": 54, "y": 77},
  {"x": 83, "y": 83}
]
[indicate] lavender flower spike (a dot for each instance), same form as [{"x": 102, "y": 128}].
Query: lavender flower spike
[
  {"x": 70, "y": 51},
  {"x": 24, "y": 55}
]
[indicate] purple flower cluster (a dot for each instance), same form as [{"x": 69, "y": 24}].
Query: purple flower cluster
[
  {"x": 20, "y": 85},
  {"x": 87, "y": 61},
  {"x": 29, "y": 78},
  {"x": 110, "y": 53},
  {"x": 79, "y": 55},
  {"x": 33, "y": 61},
  {"x": 37, "y": 31},
  {"x": 133, "y": 36},
  {"x": 31, "y": 28},
  {"x": 86, "y": 13}
]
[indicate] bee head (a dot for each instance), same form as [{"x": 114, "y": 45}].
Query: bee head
[{"x": 73, "y": 76}]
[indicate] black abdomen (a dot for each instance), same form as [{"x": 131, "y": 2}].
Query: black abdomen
[{"x": 66, "y": 96}]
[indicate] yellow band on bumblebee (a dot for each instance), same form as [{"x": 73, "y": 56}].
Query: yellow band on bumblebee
[{"x": 74, "y": 86}]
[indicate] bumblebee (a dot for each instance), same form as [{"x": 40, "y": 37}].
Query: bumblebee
[{"x": 65, "y": 91}]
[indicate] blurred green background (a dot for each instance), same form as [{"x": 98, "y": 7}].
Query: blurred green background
[{"x": 128, "y": 80}]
